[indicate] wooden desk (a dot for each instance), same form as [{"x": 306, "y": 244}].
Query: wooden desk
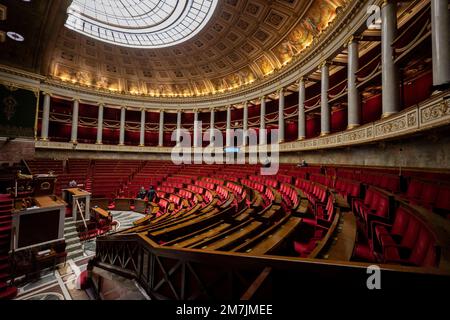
[
  {"x": 236, "y": 236},
  {"x": 122, "y": 204},
  {"x": 199, "y": 237},
  {"x": 343, "y": 248},
  {"x": 142, "y": 220},
  {"x": 101, "y": 212},
  {"x": 274, "y": 240},
  {"x": 140, "y": 205},
  {"x": 49, "y": 201},
  {"x": 72, "y": 195}
]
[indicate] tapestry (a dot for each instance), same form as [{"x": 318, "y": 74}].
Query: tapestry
[{"x": 17, "y": 112}]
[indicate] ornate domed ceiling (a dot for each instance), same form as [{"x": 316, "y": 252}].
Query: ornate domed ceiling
[
  {"x": 140, "y": 24},
  {"x": 243, "y": 43}
]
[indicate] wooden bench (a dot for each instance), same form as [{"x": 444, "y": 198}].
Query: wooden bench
[
  {"x": 206, "y": 233},
  {"x": 190, "y": 225},
  {"x": 237, "y": 235},
  {"x": 275, "y": 237}
]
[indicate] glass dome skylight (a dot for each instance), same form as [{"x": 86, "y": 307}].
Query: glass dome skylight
[{"x": 140, "y": 23}]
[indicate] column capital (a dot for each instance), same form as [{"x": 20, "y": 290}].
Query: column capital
[
  {"x": 262, "y": 98},
  {"x": 46, "y": 93},
  {"x": 385, "y": 3},
  {"x": 123, "y": 107},
  {"x": 142, "y": 109},
  {"x": 324, "y": 63}
]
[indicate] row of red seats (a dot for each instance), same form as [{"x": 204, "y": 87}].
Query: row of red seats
[
  {"x": 315, "y": 193},
  {"x": 430, "y": 195},
  {"x": 323, "y": 217},
  {"x": 253, "y": 184},
  {"x": 375, "y": 206},
  {"x": 290, "y": 195},
  {"x": 348, "y": 189},
  {"x": 327, "y": 181},
  {"x": 264, "y": 180},
  {"x": 205, "y": 184},
  {"x": 405, "y": 241},
  {"x": 166, "y": 189}
]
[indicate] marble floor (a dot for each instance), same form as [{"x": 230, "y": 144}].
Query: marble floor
[{"x": 61, "y": 283}]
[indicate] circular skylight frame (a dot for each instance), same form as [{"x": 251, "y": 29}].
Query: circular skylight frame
[{"x": 135, "y": 26}]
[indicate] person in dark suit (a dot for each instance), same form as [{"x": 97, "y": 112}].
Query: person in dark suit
[
  {"x": 151, "y": 195},
  {"x": 142, "y": 193}
]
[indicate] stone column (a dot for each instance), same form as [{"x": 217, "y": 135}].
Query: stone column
[
  {"x": 262, "y": 123},
  {"x": 324, "y": 105},
  {"x": 100, "y": 124},
  {"x": 389, "y": 76},
  {"x": 440, "y": 39},
  {"x": 354, "y": 107},
  {"x": 178, "y": 135},
  {"x": 142, "y": 133},
  {"x": 301, "y": 110},
  {"x": 211, "y": 125},
  {"x": 281, "y": 115},
  {"x": 196, "y": 144},
  {"x": 122, "y": 126},
  {"x": 228, "y": 132},
  {"x": 245, "y": 123},
  {"x": 76, "y": 105},
  {"x": 45, "y": 117},
  {"x": 161, "y": 129}
]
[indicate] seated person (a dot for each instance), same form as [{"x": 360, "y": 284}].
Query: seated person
[
  {"x": 302, "y": 164},
  {"x": 142, "y": 193},
  {"x": 151, "y": 195},
  {"x": 73, "y": 184}
]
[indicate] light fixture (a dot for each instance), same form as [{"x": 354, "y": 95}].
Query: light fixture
[{"x": 15, "y": 36}]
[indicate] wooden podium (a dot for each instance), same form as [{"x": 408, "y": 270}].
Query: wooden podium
[{"x": 78, "y": 199}]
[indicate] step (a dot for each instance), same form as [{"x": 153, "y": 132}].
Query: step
[
  {"x": 70, "y": 247},
  {"x": 71, "y": 228},
  {"x": 70, "y": 241},
  {"x": 69, "y": 222},
  {"x": 71, "y": 234},
  {"x": 75, "y": 254}
]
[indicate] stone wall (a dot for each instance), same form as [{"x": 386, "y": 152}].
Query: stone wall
[
  {"x": 12, "y": 151},
  {"x": 428, "y": 151}
]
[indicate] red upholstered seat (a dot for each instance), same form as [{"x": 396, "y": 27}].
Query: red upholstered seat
[
  {"x": 414, "y": 189},
  {"x": 442, "y": 204},
  {"x": 397, "y": 229}
]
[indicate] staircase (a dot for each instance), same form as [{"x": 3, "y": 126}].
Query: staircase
[{"x": 73, "y": 245}]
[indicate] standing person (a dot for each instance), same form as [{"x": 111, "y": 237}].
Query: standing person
[
  {"x": 142, "y": 193},
  {"x": 151, "y": 194}
]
